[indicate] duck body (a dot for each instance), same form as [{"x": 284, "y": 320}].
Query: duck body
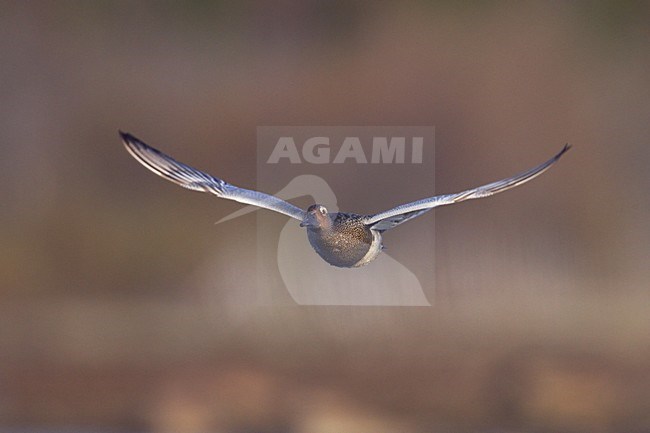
[{"x": 344, "y": 241}]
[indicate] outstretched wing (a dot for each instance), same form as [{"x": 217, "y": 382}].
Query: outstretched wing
[
  {"x": 191, "y": 178},
  {"x": 400, "y": 214}
]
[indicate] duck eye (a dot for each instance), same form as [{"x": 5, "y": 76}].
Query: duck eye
[{"x": 322, "y": 210}]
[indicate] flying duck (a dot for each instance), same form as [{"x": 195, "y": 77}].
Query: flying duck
[{"x": 342, "y": 239}]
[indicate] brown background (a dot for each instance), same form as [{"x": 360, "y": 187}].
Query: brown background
[{"x": 120, "y": 301}]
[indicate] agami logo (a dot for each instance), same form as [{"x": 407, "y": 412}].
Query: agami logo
[
  {"x": 318, "y": 150},
  {"x": 347, "y": 167}
]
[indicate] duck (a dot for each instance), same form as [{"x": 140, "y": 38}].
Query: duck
[{"x": 342, "y": 239}]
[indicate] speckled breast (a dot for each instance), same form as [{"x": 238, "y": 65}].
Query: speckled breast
[{"x": 349, "y": 243}]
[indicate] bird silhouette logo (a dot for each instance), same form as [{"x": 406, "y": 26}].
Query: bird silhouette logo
[{"x": 299, "y": 267}]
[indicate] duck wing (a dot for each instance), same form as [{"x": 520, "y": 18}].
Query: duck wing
[
  {"x": 188, "y": 177},
  {"x": 400, "y": 214}
]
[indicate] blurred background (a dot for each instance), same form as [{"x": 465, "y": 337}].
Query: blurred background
[{"x": 120, "y": 300}]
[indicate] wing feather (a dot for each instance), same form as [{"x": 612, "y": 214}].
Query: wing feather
[
  {"x": 400, "y": 214},
  {"x": 196, "y": 180}
]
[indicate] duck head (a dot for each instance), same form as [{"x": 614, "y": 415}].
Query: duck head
[{"x": 316, "y": 217}]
